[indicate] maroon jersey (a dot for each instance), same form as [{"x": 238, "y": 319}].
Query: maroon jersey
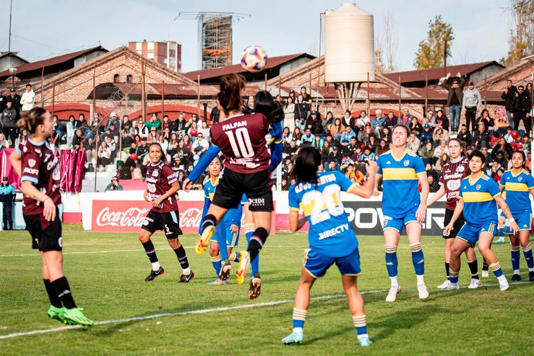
[
  {"x": 451, "y": 178},
  {"x": 159, "y": 178},
  {"x": 41, "y": 167},
  {"x": 242, "y": 142}
]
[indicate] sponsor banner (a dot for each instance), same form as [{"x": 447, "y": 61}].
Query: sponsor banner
[
  {"x": 367, "y": 218},
  {"x": 128, "y": 215}
]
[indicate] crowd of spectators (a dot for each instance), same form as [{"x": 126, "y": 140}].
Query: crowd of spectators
[{"x": 346, "y": 142}]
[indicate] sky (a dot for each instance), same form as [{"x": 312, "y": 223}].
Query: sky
[{"x": 46, "y": 28}]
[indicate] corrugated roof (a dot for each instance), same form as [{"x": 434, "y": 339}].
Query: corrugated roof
[
  {"x": 436, "y": 73},
  {"x": 27, "y": 67},
  {"x": 236, "y": 68}
]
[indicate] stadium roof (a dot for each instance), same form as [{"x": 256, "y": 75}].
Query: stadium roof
[
  {"x": 50, "y": 62},
  {"x": 215, "y": 73},
  {"x": 434, "y": 74}
]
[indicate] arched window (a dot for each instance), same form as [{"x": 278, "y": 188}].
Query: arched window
[
  {"x": 116, "y": 78},
  {"x": 129, "y": 78}
]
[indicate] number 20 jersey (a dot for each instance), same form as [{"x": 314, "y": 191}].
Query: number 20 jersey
[
  {"x": 330, "y": 232},
  {"x": 242, "y": 141}
]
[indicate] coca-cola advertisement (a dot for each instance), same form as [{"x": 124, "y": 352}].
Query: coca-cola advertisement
[{"x": 128, "y": 215}]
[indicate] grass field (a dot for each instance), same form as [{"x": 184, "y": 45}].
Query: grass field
[{"x": 106, "y": 273}]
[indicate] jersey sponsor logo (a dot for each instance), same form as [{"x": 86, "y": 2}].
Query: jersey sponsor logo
[
  {"x": 333, "y": 231},
  {"x": 453, "y": 184},
  {"x": 31, "y": 171}
]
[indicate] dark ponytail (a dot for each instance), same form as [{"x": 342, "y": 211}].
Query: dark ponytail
[
  {"x": 265, "y": 104},
  {"x": 306, "y": 165},
  {"x": 31, "y": 119},
  {"x": 229, "y": 96}
]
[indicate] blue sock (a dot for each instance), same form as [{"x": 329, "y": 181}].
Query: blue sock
[
  {"x": 515, "y": 258},
  {"x": 299, "y": 316},
  {"x": 496, "y": 268},
  {"x": 527, "y": 252},
  {"x": 418, "y": 259},
  {"x": 392, "y": 262},
  {"x": 216, "y": 263},
  {"x": 254, "y": 264},
  {"x": 501, "y": 232},
  {"x": 453, "y": 276},
  {"x": 221, "y": 240},
  {"x": 360, "y": 323}
]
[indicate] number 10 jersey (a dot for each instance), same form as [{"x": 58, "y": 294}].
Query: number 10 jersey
[
  {"x": 330, "y": 232},
  {"x": 242, "y": 141}
]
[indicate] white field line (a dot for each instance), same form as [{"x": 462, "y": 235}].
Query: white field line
[{"x": 200, "y": 311}]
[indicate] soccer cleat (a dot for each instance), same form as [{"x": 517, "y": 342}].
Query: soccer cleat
[
  {"x": 204, "y": 240},
  {"x": 226, "y": 268},
  {"x": 531, "y": 276},
  {"x": 365, "y": 341},
  {"x": 254, "y": 290},
  {"x": 500, "y": 240},
  {"x": 56, "y": 313},
  {"x": 241, "y": 274},
  {"x": 485, "y": 274},
  {"x": 293, "y": 338},
  {"x": 444, "y": 284},
  {"x": 75, "y": 316},
  {"x": 503, "y": 284},
  {"x": 475, "y": 283},
  {"x": 423, "y": 292},
  {"x": 153, "y": 274},
  {"x": 218, "y": 282},
  {"x": 392, "y": 294},
  {"x": 452, "y": 286},
  {"x": 515, "y": 277},
  {"x": 185, "y": 278}
]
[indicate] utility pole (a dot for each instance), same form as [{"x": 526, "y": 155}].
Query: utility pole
[{"x": 10, "y": 16}]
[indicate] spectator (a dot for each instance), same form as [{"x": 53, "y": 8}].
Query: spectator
[
  {"x": 114, "y": 185},
  {"x": 362, "y": 120},
  {"x": 27, "y": 100},
  {"x": 415, "y": 126},
  {"x": 454, "y": 98},
  {"x": 7, "y": 196},
  {"x": 200, "y": 146},
  {"x": 382, "y": 148},
  {"x": 302, "y": 110},
  {"x": 509, "y": 95},
  {"x": 337, "y": 129},
  {"x": 81, "y": 124},
  {"x": 3, "y": 142},
  {"x": 379, "y": 122},
  {"x": 433, "y": 184},
  {"x": 521, "y": 109},
  {"x": 426, "y": 135},
  {"x": 15, "y": 101},
  {"x": 8, "y": 121},
  {"x": 430, "y": 119},
  {"x": 153, "y": 122},
  {"x": 289, "y": 114},
  {"x": 441, "y": 120},
  {"x": 413, "y": 143},
  {"x": 391, "y": 120},
  {"x": 441, "y": 149},
  {"x": 405, "y": 118},
  {"x": 443, "y": 159},
  {"x": 103, "y": 155},
  {"x": 427, "y": 153},
  {"x": 464, "y": 136},
  {"x": 348, "y": 120},
  {"x": 346, "y": 136},
  {"x": 308, "y": 137},
  {"x": 77, "y": 140},
  {"x": 486, "y": 119},
  {"x": 368, "y": 154},
  {"x": 481, "y": 137},
  {"x": 471, "y": 102},
  {"x": 314, "y": 123},
  {"x": 305, "y": 96},
  {"x": 215, "y": 115}
]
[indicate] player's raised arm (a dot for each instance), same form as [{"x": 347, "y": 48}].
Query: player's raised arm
[{"x": 366, "y": 190}]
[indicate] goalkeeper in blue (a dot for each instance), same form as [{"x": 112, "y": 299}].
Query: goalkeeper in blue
[
  {"x": 478, "y": 198},
  {"x": 330, "y": 236},
  {"x": 517, "y": 185},
  {"x": 403, "y": 206}
]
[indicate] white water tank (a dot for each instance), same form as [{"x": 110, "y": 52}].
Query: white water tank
[{"x": 349, "y": 45}]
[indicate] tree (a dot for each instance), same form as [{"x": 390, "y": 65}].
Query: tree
[
  {"x": 430, "y": 52},
  {"x": 385, "y": 48},
  {"x": 521, "y": 42}
]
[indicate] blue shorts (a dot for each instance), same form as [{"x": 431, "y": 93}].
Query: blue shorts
[
  {"x": 523, "y": 220},
  {"x": 399, "y": 223},
  {"x": 316, "y": 264},
  {"x": 470, "y": 233}
]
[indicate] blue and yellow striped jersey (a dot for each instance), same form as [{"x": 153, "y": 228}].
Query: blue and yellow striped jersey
[
  {"x": 400, "y": 182},
  {"x": 478, "y": 196},
  {"x": 209, "y": 188},
  {"x": 330, "y": 232},
  {"x": 516, "y": 190}
]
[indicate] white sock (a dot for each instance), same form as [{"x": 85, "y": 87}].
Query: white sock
[
  {"x": 531, "y": 269},
  {"x": 187, "y": 271},
  {"x": 420, "y": 279},
  {"x": 394, "y": 282},
  {"x": 298, "y": 330},
  {"x": 516, "y": 271},
  {"x": 155, "y": 266},
  {"x": 363, "y": 336}
]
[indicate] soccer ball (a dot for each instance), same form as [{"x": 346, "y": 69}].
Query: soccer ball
[{"x": 254, "y": 58}]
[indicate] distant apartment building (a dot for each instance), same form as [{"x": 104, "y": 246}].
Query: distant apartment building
[{"x": 168, "y": 54}]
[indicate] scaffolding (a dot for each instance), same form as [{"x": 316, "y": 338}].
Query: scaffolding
[{"x": 216, "y": 42}]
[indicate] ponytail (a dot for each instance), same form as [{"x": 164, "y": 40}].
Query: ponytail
[
  {"x": 31, "y": 119},
  {"x": 230, "y": 92},
  {"x": 306, "y": 165}
]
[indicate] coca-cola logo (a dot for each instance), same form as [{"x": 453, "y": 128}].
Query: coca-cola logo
[
  {"x": 191, "y": 218},
  {"x": 132, "y": 217}
]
